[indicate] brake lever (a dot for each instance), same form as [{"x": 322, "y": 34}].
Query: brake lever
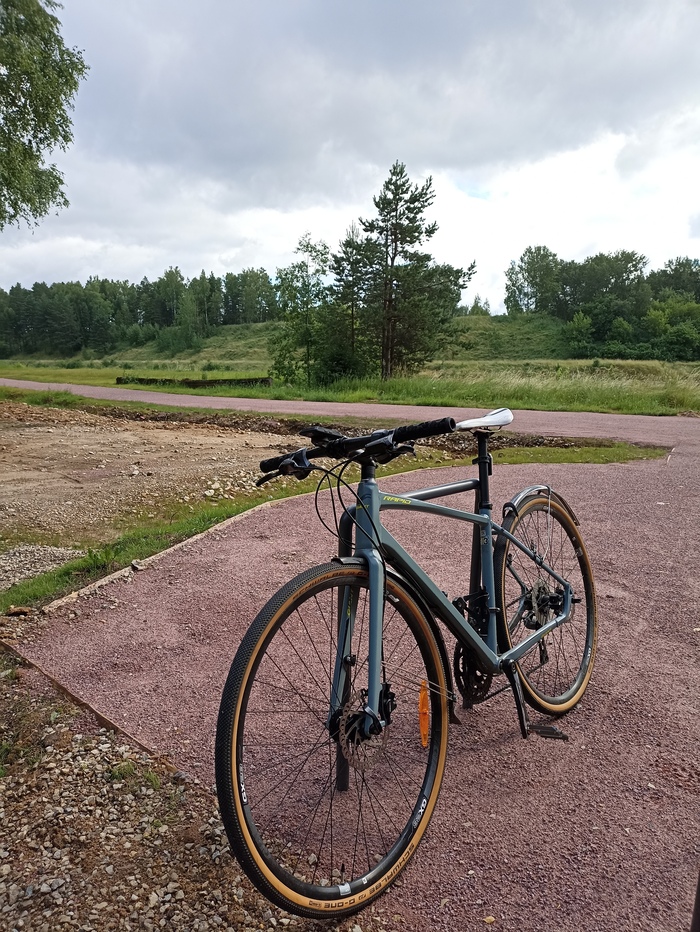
[
  {"x": 268, "y": 477},
  {"x": 321, "y": 436},
  {"x": 384, "y": 458},
  {"x": 297, "y": 465}
]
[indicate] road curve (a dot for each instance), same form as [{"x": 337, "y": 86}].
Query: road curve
[
  {"x": 597, "y": 834},
  {"x": 635, "y": 428}
]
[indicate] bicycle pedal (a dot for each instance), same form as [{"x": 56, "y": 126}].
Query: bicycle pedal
[{"x": 547, "y": 731}]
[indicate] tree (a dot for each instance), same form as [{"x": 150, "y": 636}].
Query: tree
[
  {"x": 248, "y": 297},
  {"x": 206, "y": 290},
  {"x": 532, "y": 285},
  {"x": 681, "y": 275},
  {"x": 302, "y": 293},
  {"x": 39, "y": 77},
  {"x": 478, "y": 307},
  {"x": 605, "y": 287},
  {"x": 410, "y": 299},
  {"x": 170, "y": 288},
  {"x": 354, "y": 326},
  {"x": 579, "y": 335}
]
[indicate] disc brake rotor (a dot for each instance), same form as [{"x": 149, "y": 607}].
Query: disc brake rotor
[{"x": 361, "y": 752}]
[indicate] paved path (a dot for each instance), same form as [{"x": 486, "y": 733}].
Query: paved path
[
  {"x": 601, "y": 833},
  {"x": 665, "y": 431}
]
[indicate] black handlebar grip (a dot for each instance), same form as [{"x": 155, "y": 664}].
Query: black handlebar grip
[
  {"x": 274, "y": 463},
  {"x": 427, "y": 429}
]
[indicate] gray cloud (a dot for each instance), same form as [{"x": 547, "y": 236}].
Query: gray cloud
[
  {"x": 193, "y": 113},
  {"x": 283, "y": 101}
]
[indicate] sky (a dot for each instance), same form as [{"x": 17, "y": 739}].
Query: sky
[{"x": 214, "y": 135}]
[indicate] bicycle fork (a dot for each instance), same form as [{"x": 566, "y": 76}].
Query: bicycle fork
[{"x": 368, "y": 719}]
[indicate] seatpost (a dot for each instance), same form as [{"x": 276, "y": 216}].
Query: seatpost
[{"x": 485, "y": 465}]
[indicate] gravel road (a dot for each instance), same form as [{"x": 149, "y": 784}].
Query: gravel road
[
  {"x": 634, "y": 428},
  {"x": 600, "y": 833}
]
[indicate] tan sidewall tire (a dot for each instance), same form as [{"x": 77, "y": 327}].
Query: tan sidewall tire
[{"x": 231, "y": 803}]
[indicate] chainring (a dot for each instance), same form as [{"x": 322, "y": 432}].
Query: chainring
[{"x": 472, "y": 682}]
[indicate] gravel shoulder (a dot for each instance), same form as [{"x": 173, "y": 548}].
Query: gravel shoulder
[
  {"x": 99, "y": 835},
  {"x": 72, "y": 476}
]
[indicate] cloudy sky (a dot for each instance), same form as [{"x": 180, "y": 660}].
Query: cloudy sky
[{"x": 212, "y": 135}]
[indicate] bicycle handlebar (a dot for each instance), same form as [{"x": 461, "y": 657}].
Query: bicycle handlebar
[
  {"x": 445, "y": 425},
  {"x": 344, "y": 446}
]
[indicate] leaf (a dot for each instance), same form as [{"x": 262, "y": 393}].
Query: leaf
[
  {"x": 489, "y": 919},
  {"x": 444, "y": 900}
]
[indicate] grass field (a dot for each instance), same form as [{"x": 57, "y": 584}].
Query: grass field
[
  {"x": 613, "y": 387},
  {"x": 488, "y": 363}
]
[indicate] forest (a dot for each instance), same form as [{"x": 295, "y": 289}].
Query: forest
[{"x": 380, "y": 305}]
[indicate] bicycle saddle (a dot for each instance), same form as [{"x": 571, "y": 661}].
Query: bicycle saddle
[{"x": 501, "y": 417}]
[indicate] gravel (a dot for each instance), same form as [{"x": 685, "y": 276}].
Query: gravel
[
  {"x": 74, "y": 476},
  {"x": 27, "y": 560},
  {"x": 98, "y": 835}
]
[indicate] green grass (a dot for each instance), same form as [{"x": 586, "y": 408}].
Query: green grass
[
  {"x": 136, "y": 544},
  {"x": 23, "y": 719},
  {"x": 612, "y": 387},
  {"x": 578, "y": 453},
  {"x": 122, "y": 771},
  {"x": 503, "y": 337}
]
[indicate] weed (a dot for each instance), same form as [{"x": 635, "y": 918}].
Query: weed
[
  {"x": 152, "y": 779},
  {"x": 122, "y": 771}
]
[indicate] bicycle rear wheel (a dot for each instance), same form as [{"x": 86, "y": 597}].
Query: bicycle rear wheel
[
  {"x": 319, "y": 838},
  {"x": 555, "y": 674}
]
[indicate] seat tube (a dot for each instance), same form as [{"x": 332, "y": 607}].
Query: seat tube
[{"x": 483, "y": 460}]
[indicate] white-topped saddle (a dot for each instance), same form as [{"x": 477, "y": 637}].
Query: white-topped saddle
[{"x": 501, "y": 417}]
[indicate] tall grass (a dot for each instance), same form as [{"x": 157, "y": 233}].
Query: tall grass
[{"x": 612, "y": 387}]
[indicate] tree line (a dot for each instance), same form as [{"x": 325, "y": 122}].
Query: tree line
[
  {"x": 379, "y": 305},
  {"x": 104, "y": 315},
  {"x": 610, "y": 305}
]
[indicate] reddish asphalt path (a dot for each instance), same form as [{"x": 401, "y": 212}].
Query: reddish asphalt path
[
  {"x": 598, "y": 834},
  {"x": 635, "y": 428}
]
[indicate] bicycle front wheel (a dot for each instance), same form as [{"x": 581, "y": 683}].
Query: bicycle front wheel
[
  {"x": 321, "y": 820},
  {"x": 555, "y": 674}
]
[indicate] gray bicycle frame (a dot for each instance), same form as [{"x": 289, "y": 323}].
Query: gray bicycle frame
[{"x": 370, "y": 535}]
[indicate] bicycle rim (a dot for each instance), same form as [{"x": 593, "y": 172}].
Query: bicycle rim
[
  {"x": 554, "y": 674},
  {"x": 311, "y": 846}
]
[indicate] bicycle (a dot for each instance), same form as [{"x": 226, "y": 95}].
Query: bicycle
[{"x": 332, "y": 731}]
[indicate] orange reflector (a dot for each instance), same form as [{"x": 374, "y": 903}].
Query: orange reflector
[{"x": 423, "y": 713}]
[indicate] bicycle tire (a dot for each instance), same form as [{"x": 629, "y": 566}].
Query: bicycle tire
[
  {"x": 308, "y": 846},
  {"x": 556, "y": 673}
]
